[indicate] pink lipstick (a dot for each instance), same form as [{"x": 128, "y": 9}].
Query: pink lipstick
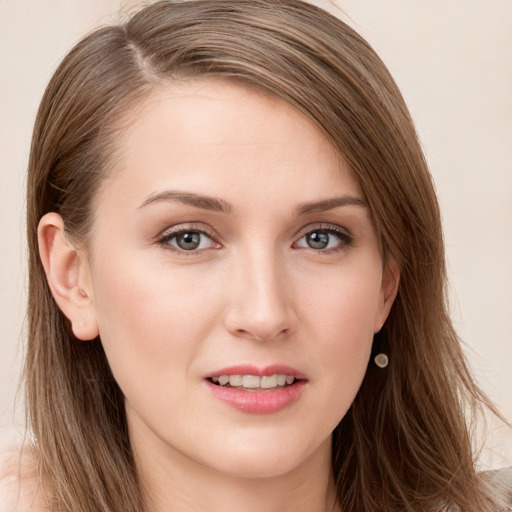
[{"x": 257, "y": 390}]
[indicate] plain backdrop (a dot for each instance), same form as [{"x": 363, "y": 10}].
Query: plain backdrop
[{"x": 453, "y": 62}]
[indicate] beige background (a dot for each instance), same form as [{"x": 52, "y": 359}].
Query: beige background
[{"x": 453, "y": 61}]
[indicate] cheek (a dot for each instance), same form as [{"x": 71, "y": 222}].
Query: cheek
[
  {"x": 341, "y": 319},
  {"x": 151, "y": 322},
  {"x": 344, "y": 303}
]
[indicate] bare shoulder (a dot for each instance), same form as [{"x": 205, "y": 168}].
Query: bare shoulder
[{"x": 19, "y": 484}]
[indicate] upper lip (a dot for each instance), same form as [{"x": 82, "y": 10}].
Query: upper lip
[{"x": 269, "y": 370}]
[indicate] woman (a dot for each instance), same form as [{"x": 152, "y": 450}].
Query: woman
[{"x": 237, "y": 277}]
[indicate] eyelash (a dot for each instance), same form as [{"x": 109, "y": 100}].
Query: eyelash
[
  {"x": 167, "y": 236},
  {"x": 345, "y": 239}
]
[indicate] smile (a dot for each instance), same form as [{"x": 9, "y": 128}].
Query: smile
[
  {"x": 255, "y": 390},
  {"x": 255, "y": 382}
]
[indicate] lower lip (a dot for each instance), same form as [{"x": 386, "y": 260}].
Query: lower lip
[{"x": 266, "y": 401}]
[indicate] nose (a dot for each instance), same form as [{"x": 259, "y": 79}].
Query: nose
[{"x": 261, "y": 299}]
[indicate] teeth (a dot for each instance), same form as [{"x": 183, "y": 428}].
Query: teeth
[
  {"x": 235, "y": 380},
  {"x": 268, "y": 382},
  {"x": 250, "y": 381},
  {"x": 254, "y": 381}
]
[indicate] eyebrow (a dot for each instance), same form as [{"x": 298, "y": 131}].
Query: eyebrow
[
  {"x": 191, "y": 199},
  {"x": 329, "y": 204},
  {"x": 219, "y": 205}
]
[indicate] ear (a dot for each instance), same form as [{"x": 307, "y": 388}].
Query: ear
[
  {"x": 389, "y": 289},
  {"x": 68, "y": 275}
]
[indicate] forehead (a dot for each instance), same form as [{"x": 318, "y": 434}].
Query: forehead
[{"x": 213, "y": 134}]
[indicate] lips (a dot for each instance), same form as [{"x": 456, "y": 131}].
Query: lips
[{"x": 257, "y": 390}]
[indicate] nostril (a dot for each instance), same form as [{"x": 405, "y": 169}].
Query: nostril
[
  {"x": 246, "y": 321},
  {"x": 259, "y": 336}
]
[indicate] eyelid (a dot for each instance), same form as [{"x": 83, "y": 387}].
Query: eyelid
[
  {"x": 187, "y": 226},
  {"x": 173, "y": 231},
  {"x": 323, "y": 226},
  {"x": 346, "y": 238}
]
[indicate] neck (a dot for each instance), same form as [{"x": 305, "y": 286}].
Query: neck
[{"x": 172, "y": 481}]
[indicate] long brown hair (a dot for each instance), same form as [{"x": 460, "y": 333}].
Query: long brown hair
[{"x": 405, "y": 443}]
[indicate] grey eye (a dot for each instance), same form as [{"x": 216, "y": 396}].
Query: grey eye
[
  {"x": 188, "y": 241},
  {"x": 323, "y": 239},
  {"x": 318, "y": 239}
]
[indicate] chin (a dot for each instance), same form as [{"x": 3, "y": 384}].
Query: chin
[
  {"x": 260, "y": 467},
  {"x": 263, "y": 458}
]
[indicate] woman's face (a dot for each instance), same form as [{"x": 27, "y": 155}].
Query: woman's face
[{"x": 233, "y": 253}]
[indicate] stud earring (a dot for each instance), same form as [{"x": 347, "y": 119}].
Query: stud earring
[{"x": 381, "y": 360}]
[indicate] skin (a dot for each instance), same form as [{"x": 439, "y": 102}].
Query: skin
[{"x": 255, "y": 292}]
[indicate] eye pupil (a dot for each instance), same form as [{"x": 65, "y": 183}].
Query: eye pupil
[
  {"x": 188, "y": 241},
  {"x": 317, "y": 239}
]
